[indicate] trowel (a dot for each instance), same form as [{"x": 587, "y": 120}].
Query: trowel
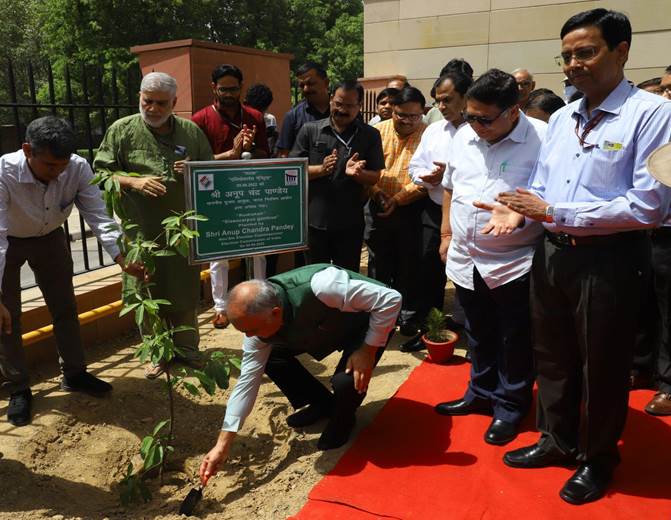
[{"x": 191, "y": 501}]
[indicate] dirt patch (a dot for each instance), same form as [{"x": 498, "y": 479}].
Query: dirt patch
[{"x": 67, "y": 463}]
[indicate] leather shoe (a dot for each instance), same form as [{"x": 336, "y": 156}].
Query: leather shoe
[
  {"x": 85, "y": 383},
  {"x": 220, "y": 320},
  {"x": 500, "y": 432},
  {"x": 588, "y": 483},
  {"x": 660, "y": 404},
  {"x": 308, "y": 415},
  {"x": 463, "y": 407},
  {"x": 20, "y": 404},
  {"x": 336, "y": 433},
  {"x": 414, "y": 344},
  {"x": 536, "y": 456}
]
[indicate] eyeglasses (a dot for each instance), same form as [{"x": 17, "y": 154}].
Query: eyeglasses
[
  {"x": 407, "y": 117},
  {"x": 580, "y": 55},
  {"x": 228, "y": 90},
  {"x": 524, "y": 84},
  {"x": 348, "y": 106},
  {"x": 484, "y": 121}
]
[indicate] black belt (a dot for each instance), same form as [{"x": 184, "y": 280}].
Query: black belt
[{"x": 565, "y": 240}]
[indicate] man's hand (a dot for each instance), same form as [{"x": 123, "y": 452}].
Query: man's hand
[
  {"x": 135, "y": 269},
  {"x": 525, "y": 203},
  {"x": 248, "y": 135},
  {"x": 436, "y": 176},
  {"x": 178, "y": 166},
  {"x": 355, "y": 167},
  {"x": 329, "y": 162},
  {"x": 504, "y": 220},
  {"x": 387, "y": 203},
  {"x": 444, "y": 246},
  {"x": 360, "y": 365},
  {"x": 150, "y": 186},
  {"x": 5, "y": 320},
  {"x": 214, "y": 458}
]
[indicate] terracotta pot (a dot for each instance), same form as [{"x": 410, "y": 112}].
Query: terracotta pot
[{"x": 442, "y": 351}]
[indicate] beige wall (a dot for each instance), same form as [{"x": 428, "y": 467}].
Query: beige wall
[{"x": 417, "y": 37}]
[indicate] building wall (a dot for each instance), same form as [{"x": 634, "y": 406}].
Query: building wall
[{"x": 417, "y": 37}]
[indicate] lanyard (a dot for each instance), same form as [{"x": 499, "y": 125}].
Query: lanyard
[
  {"x": 346, "y": 143},
  {"x": 589, "y": 126},
  {"x": 227, "y": 120}
]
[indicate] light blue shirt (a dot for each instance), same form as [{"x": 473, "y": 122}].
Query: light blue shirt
[
  {"x": 477, "y": 170},
  {"x": 606, "y": 189},
  {"x": 334, "y": 288}
]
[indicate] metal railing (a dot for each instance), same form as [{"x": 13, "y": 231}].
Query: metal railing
[{"x": 91, "y": 100}]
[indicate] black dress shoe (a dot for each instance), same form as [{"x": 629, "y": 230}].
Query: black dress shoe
[
  {"x": 500, "y": 432},
  {"x": 463, "y": 407},
  {"x": 408, "y": 329},
  {"x": 588, "y": 483},
  {"x": 308, "y": 415},
  {"x": 20, "y": 405},
  {"x": 85, "y": 383},
  {"x": 536, "y": 456},
  {"x": 414, "y": 344},
  {"x": 336, "y": 433}
]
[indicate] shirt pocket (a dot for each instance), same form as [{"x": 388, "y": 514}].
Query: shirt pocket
[
  {"x": 318, "y": 152},
  {"x": 604, "y": 167}
]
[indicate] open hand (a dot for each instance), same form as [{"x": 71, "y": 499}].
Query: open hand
[
  {"x": 525, "y": 203},
  {"x": 179, "y": 167},
  {"x": 329, "y": 162},
  {"x": 354, "y": 166},
  {"x": 436, "y": 175},
  {"x": 503, "y": 221},
  {"x": 248, "y": 135}
]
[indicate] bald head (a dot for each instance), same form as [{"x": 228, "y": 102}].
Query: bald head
[
  {"x": 252, "y": 297},
  {"x": 525, "y": 84}
]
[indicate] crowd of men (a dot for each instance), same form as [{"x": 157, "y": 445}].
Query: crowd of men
[{"x": 544, "y": 216}]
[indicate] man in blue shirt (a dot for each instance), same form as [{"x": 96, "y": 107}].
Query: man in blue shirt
[{"x": 592, "y": 190}]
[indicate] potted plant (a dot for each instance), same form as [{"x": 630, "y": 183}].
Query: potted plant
[{"x": 439, "y": 341}]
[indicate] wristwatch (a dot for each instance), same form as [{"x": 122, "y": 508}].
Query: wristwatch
[{"x": 550, "y": 214}]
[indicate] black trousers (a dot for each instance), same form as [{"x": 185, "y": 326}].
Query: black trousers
[
  {"x": 661, "y": 266},
  {"x": 499, "y": 340},
  {"x": 49, "y": 258},
  {"x": 342, "y": 247},
  {"x": 648, "y": 333},
  {"x": 302, "y": 388},
  {"x": 394, "y": 249},
  {"x": 432, "y": 278},
  {"x": 584, "y": 302}
]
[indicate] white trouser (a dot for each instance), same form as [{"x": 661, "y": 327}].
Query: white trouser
[{"x": 219, "y": 280}]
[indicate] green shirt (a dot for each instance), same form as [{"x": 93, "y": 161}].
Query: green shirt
[{"x": 131, "y": 146}]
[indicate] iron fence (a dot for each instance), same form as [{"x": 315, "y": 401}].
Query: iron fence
[
  {"x": 97, "y": 95},
  {"x": 368, "y": 108}
]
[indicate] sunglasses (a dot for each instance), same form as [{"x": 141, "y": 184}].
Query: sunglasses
[{"x": 484, "y": 121}]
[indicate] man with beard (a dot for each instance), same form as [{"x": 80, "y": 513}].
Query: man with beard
[
  {"x": 393, "y": 225},
  {"x": 314, "y": 86},
  {"x": 153, "y": 146},
  {"x": 345, "y": 156},
  {"x": 232, "y": 128}
]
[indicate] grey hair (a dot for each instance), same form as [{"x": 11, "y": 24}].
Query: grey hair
[
  {"x": 263, "y": 298},
  {"x": 531, "y": 76},
  {"x": 159, "y": 82}
]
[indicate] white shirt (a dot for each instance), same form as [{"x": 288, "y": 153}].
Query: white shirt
[
  {"x": 31, "y": 208},
  {"x": 334, "y": 288},
  {"x": 478, "y": 170},
  {"x": 434, "y": 146}
]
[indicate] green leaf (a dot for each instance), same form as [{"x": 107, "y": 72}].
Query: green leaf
[
  {"x": 182, "y": 248},
  {"x": 199, "y": 218},
  {"x": 127, "y": 309},
  {"x": 192, "y": 389},
  {"x": 160, "y": 426},
  {"x": 235, "y": 361},
  {"x": 164, "y": 252},
  {"x": 139, "y": 316},
  {"x": 206, "y": 381},
  {"x": 146, "y": 444},
  {"x": 153, "y": 458}
]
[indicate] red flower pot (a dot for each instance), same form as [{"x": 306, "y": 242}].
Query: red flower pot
[{"x": 440, "y": 352}]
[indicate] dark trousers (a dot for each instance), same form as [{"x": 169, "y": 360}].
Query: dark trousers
[
  {"x": 342, "y": 247},
  {"x": 302, "y": 388},
  {"x": 394, "y": 249},
  {"x": 49, "y": 258},
  {"x": 432, "y": 278},
  {"x": 499, "y": 339},
  {"x": 584, "y": 303},
  {"x": 661, "y": 266},
  {"x": 646, "y": 344}
]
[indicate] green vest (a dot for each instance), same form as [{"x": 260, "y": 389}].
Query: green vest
[{"x": 309, "y": 326}]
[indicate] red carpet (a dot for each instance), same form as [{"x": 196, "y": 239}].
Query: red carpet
[{"x": 411, "y": 463}]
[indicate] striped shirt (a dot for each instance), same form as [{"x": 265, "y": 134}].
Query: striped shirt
[{"x": 395, "y": 180}]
